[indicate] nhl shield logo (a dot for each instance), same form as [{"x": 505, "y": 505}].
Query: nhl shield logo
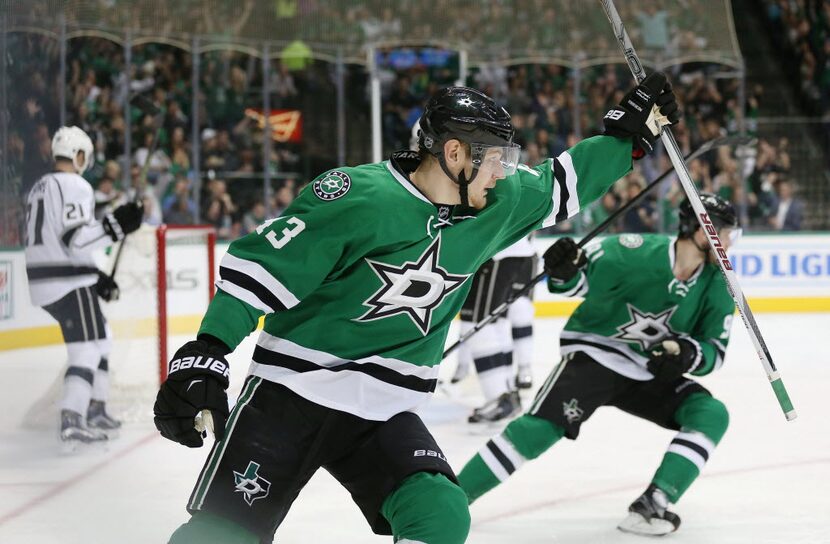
[{"x": 332, "y": 186}]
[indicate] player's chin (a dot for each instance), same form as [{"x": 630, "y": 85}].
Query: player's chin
[{"x": 479, "y": 202}]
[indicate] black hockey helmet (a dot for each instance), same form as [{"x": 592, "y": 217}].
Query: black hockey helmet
[
  {"x": 465, "y": 114},
  {"x": 474, "y": 118},
  {"x": 721, "y": 213}
]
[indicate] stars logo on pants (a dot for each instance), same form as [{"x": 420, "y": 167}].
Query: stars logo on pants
[
  {"x": 250, "y": 484},
  {"x": 413, "y": 289},
  {"x": 572, "y": 411}
]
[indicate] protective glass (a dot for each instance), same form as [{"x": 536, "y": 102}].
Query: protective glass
[{"x": 496, "y": 157}]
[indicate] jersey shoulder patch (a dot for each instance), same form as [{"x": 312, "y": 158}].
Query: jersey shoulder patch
[
  {"x": 631, "y": 241},
  {"x": 332, "y": 185}
]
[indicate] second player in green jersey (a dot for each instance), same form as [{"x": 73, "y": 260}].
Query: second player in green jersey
[{"x": 656, "y": 308}]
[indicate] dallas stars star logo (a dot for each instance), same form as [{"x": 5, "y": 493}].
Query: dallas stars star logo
[
  {"x": 646, "y": 328},
  {"x": 413, "y": 289},
  {"x": 572, "y": 411},
  {"x": 466, "y": 102},
  {"x": 250, "y": 484}
]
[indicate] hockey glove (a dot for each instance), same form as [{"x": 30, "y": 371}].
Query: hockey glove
[
  {"x": 106, "y": 287},
  {"x": 124, "y": 220},
  {"x": 642, "y": 114},
  {"x": 197, "y": 379},
  {"x": 672, "y": 358},
  {"x": 563, "y": 260}
]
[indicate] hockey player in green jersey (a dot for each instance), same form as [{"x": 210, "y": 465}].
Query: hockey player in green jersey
[
  {"x": 656, "y": 309},
  {"x": 359, "y": 281}
]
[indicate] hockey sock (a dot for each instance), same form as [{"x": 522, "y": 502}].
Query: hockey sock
[
  {"x": 101, "y": 385},
  {"x": 427, "y": 509},
  {"x": 525, "y": 438},
  {"x": 703, "y": 421},
  {"x": 493, "y": 359},
  {"x": 206, "y": 528},
  {"x": 465, "y": 356},
  {"x": 79, "y": 376},
  {"x": 520, "y": 315},
  {"x": 495, "y": 374}
]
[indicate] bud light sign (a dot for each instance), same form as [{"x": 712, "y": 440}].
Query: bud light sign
[{"x": 793, "y": 263}]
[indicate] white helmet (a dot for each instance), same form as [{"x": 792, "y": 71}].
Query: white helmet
[{"x": 68, "y": 142}]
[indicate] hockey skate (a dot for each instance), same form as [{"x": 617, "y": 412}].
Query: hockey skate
[
  {"x": 97, "y": 418},
  {"x": 524, "y": 378},
  {"x": 74, "y": 434},
  {"x": 649, "y": 515},
  {"x": 503, "y": 407}
]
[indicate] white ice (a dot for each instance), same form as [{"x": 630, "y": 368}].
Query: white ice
[{"x": 766, "y": 483}]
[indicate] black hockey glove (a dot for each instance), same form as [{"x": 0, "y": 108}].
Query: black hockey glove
[
  {"x": 106, "y": 287},
  {"x": 642, "y": 113},
  {"x": 563, "y": 260},
  {"x": 197, "y": 379},
  {"x": 672, "y": 358},
  {"x": 124, "y": 220}
]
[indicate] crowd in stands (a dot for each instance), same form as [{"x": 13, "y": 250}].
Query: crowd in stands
[
  {"x": 225, "y": 189},
  {"x": 541, "y": 100},
  {"x": 100, "y": 99},
  {"x": 802, "y": 30}
]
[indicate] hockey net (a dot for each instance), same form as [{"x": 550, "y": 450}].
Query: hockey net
[{"x": 166, "y": 277}]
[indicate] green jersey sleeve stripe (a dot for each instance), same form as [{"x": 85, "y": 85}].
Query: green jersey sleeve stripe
[
  {"x": 698, "y": 355},
  {"x": 565, "y": 197},
  {"x": 261, "y": 298},
  {"x": 579, "y": 289},
  {"x": 721, "y": 352},
  {"x": 260, "y": 289},
  {"x": 572, "y": 198}
]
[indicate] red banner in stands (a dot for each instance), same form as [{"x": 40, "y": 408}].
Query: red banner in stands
[{"x": 286, "y": 125}]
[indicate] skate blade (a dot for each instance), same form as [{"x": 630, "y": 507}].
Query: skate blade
[
  {"x": 76, "y": 447},
  {"x": 71, "y": 446},
  {"x": 638, "y": 525},
  {"x": 112, "y": 434}
]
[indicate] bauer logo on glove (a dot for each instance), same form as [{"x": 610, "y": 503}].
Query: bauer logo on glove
[
  {"x": 200, "y": 363},
  {"x": 642, "y": 114}
]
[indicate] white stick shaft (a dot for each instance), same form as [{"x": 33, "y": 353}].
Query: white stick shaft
[{"x": 703, "y": 218}]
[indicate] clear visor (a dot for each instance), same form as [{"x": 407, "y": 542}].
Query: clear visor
[
  {"x": 501, "y": 160},
  {"x": 734, "y": 234}
]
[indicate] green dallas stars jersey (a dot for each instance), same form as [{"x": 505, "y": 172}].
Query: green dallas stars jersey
[
  {"x": 361, "y": 276},
  {"x": 633, "y": 301}
]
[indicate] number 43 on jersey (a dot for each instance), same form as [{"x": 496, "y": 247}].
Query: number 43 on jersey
[{"x": 277, "y": 240}]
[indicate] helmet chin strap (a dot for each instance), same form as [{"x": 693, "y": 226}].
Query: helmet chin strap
[
  {"x": 460, "y": 180},
  {"x": 704, "y": 249}
]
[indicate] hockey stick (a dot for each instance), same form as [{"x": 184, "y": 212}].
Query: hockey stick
[
  {"x": 147, "y": 106},
  {"x": 704, "y": 148},
  {"x": 705, "y": 223}
]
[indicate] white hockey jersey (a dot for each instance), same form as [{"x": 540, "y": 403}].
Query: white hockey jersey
[{"x": 61, "y": 235}]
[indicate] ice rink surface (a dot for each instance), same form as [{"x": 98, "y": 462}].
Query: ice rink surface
[{"x": 768, "y": 482}]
